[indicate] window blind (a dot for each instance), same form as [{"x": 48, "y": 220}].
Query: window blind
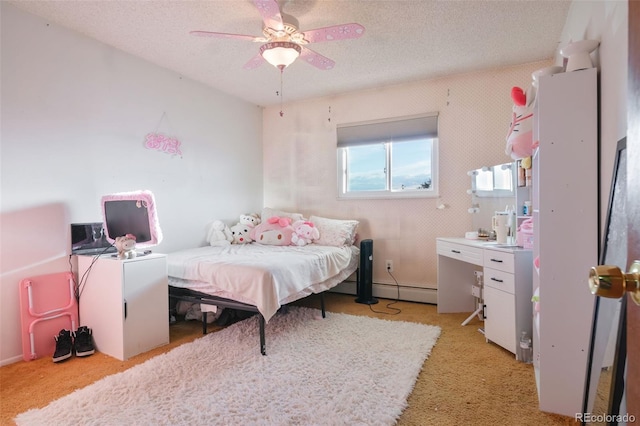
[{"x": 397, "y": 130}]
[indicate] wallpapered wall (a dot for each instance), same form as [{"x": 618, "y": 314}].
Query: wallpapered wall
[{"x": 300, "y": 161}]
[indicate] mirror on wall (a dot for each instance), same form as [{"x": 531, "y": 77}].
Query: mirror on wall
[
  {"x": 606, "y": 361},
  {"x": 492, "y": 189}
]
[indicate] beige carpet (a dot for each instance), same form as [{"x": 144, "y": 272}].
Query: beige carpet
[{"x": 468, "y": 380}]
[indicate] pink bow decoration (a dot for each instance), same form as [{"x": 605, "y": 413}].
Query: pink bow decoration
[
  {"x": 282, "y": 221},
  {"x": 160, "y": 142}
]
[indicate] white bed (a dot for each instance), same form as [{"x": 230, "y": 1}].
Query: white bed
[{"x": 261, "y": 278}]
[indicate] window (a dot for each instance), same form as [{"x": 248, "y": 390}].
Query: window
[{"x": 388, "y": 159}]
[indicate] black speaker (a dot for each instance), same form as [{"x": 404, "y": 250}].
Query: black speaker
[{"x": 365, "y": 274}]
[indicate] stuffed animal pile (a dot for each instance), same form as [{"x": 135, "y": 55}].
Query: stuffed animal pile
[{"x": 281, "y": 231}]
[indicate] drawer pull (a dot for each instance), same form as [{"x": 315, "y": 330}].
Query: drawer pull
[
  {"x": 496, "y": 260},
  {"x": 497, "y": 280},
  {"x": 456, "y": 251}
]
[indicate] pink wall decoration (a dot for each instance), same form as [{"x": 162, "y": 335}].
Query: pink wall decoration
[{"x": 163, "y": 143}]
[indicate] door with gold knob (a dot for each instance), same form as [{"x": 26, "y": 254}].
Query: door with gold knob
[
  {"x": 611, "y": 281},
  {"x": 633, "y": 206}
]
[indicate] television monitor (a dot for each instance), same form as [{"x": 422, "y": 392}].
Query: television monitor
[
  {"x": 132, "y": 213},
  {"x": 89, "y": 238}
]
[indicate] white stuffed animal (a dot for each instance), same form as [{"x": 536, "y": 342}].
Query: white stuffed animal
[
  {"x": 126, "y": 246},
  {"x": 251, "y": 220},
  {"x": 240, "y": 234},
  {"x": 219, "y": 234},
  {"x": 304, "y": 232}
]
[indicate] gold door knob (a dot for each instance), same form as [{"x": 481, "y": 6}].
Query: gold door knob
[{"x": 610, "y": 281}]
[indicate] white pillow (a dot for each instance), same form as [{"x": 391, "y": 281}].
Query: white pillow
[
  {"x": 268, "y": 212},
  {"x": 334, "y": 232}
]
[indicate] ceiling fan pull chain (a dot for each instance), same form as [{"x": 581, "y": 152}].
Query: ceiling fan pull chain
[{"x": 281, "y": 72}]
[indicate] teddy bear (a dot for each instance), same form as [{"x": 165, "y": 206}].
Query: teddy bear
[
  {"x": 304, "y": 232},
  {"x": 126, "y": 246},
  {"x": 219, "y": 234},
  {"x": 240, "y": 233},
  {"x": 275, "y": 231},
  {"x": 250, "y": 220}
]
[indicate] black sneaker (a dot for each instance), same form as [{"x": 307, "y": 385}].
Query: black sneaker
[
  {"x": 64, "y": 346},
  {"x": 83, "y": 341}
]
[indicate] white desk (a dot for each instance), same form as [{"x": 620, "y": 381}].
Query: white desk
[{"x": 507, "y": 288}]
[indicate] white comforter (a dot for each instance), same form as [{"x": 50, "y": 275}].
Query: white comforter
[{"x": 264, "y": 276}]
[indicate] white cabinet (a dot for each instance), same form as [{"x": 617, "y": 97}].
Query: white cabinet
[
  {"x": 507, "y": 286},
  {"x": 500, "y": 318},
  {"x": 125, "y": 303},
  {"x": 565, "y": 214},
  {"x": 507, "y": 297}
]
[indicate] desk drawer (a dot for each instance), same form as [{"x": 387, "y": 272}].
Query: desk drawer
[
  {"x": 499, "y": 280},
  {"x": 460, "y": 252},
  {"x": 499, "y": 260}
]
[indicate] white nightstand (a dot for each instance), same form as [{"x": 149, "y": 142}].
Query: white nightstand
[{"x": 125, "y": 303}]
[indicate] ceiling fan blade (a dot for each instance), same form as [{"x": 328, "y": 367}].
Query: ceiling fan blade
[
  {"x": 270, "y": 13},
  {"x": 227, "y": 35},
  {"x": 254, "y": 62},
  {"x": 316, "y": 59},
  {"x": 335, "y": 32}
]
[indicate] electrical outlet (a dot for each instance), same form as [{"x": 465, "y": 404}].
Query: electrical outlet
[{"x": 390, "y": 265}]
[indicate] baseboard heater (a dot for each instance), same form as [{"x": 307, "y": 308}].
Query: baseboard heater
[{"x": 390, "y": 291}]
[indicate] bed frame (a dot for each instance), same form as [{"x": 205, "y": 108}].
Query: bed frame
[{"x": 185, "y": 294}]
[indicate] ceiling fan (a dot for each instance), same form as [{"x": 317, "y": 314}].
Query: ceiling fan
[{"x": 284, "y": 42}]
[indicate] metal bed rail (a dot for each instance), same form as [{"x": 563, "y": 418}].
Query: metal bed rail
[{"x": 193, "y": 296}]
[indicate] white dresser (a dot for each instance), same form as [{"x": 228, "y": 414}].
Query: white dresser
[{"x": 507, "y": 273}]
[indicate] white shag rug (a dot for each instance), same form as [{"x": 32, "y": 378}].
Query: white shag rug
[{"x": 342, "y": 369}]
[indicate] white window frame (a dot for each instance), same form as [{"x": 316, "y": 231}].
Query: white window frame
[{"x": 423, "y": 126}]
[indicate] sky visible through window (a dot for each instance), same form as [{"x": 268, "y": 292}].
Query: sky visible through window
[{"x": 410, "y": 166}]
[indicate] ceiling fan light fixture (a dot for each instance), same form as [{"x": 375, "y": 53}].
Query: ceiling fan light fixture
[{"x": 280, "y": 54}]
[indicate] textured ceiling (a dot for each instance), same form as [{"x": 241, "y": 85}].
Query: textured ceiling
[{"x": 404, "y": 40}]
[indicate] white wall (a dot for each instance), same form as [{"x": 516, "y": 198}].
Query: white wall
[{"x": 75, "y": 113}]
